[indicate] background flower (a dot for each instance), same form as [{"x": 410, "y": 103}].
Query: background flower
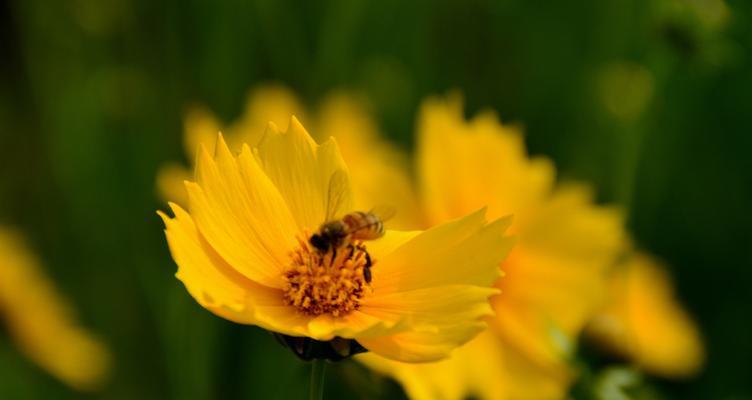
[
  {"x": 555, "y": 276},
  {"x": 42, "y": 323},
  {"x": 644, "y": 321}
]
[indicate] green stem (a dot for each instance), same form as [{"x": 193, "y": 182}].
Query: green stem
[{"x": 317, "y": 379}]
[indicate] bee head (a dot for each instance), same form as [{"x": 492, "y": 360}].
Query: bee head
[
  {"x": 329, "y": 235},
  {"x": 319, "y": 242}
]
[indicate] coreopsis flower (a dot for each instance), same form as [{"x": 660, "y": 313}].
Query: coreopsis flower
[
  {"x": 643, "y": 321},
  {"x": 245, "y": 251},
  {"x": 373, "y": 162},
  {"x": 554, "y": 277},
  {"x": 41, "y": 322}
]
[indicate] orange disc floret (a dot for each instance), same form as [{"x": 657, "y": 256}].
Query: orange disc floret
[{"x": 331, "y": 282}]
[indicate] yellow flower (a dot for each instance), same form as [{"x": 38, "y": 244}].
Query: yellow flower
[
  {"x": 42, "y": 323},
  {"x": 643, "y": 321},
  {"x": 244, "y": 253},
  {"x": 373, "y": 163},
  {"x": 554, "y": 277}
]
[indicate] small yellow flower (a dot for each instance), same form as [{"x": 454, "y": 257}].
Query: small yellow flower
[
  {"x": 244, "y": 253},
  {"x": 644, "y": 321},
  {"x": 554, "y": 277},
  {"x": 42, "y": 323}
]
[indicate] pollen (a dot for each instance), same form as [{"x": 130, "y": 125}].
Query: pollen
[{"x": 328, "y": 283}]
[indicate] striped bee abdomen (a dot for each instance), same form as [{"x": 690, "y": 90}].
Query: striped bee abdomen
[{"x": 364, "y": 225}]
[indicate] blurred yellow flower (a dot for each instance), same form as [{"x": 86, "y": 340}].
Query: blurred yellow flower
[
  {"x": 554, "y": 277},
  {"x": 373, "y": 162},
  {"x": 644, "y": 322},
  {"x": 244, "y": 253},
  {"x": 270, "y": 103},
  {"x": 42, "y": 323},
  {"x": 377, "y": 168}
]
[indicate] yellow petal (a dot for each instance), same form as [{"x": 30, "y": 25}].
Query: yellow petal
[
  {"x": 242, "y": 215},
  {"x": 390, "y": 242},
  {"x": 645, "y": 322},
  {"x": 206, "y": 276},
  {"x": 464, "y": 165},
  {"x": 301, "y": 170},
  {"x": 219, "y": 288},
  {"x": 355, "y": 325},
  {"x": 572, "y": 226},
  {"x": 483, "y": 368},
  {"x": 267, "y": 309},
  {"x": 42, "y": 323},
  {"x": 427, "y": 308},
  {"x": 431, "y": 381},
  {"x": 419, "y": 347},
  {"x": 267, "y": 103},
  {"x": 522, "y": 378},
  {"x": 439, "y": 320},
  {"x": 543, "y": 297},
  {"x": 437, "y": 284},
  {"x": 432, "y": 257}
]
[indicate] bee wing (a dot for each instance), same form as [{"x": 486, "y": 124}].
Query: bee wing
[
  {"x": 384, "y": 212},
  {"x": 337, "y": 195}
]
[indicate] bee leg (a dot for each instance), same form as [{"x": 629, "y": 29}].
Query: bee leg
[
  {"x": 367, "y": 268},
  {"x": 367, "y": 274}
]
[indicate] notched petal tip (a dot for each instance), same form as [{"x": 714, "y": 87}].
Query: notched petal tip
[
  {"x": 220, "y": 146},
  {"x": 298, "y": 131},
  {"x": 271, "y": 131},
  {"x": 203, "y": 159},
  {"x": 172, "y": 206},
  {"x": 506, "y": 221},
  {"x": 163, "y": 216},
  {"x": 476, "y": 218},
  {"x": 295, "y": 121}
]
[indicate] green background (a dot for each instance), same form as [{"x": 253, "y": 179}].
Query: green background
[{"x": 92, "y": 95}]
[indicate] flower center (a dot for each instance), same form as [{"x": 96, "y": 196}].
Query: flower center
[{"x": 331, "y": 282}]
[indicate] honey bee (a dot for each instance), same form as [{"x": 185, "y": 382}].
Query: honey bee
[{"x": 357, "y": 225}]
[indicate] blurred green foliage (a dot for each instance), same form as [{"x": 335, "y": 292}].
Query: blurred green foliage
[{"x": 650, "y": 100}]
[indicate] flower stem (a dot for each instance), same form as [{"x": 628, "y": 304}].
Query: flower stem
[{"x": 317, "y": 379}]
